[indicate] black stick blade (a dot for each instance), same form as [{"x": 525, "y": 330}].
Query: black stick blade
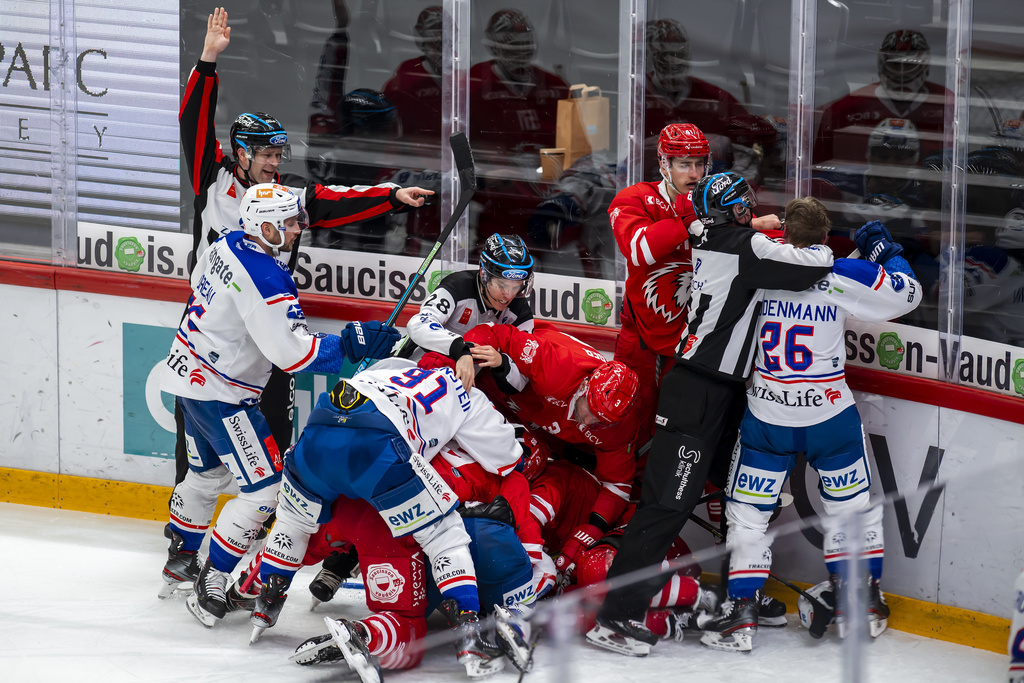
[{"x": 463, "y": 161}]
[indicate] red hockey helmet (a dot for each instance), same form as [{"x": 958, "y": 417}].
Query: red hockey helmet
[
  {"x": 682, "y": 140},
  {"x": 612, "y": 389},
  {"x": 593, "y": 565}
]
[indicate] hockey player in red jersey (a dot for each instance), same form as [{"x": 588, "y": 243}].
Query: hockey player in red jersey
[
  {"x": 400, "y": 587},
  {"x": 571, "y": 392},
  {"x": 901, "y": 92},
  {"x": 649, "y": 221}
]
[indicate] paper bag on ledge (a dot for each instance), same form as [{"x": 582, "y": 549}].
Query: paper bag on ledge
[{"x": 582, "y": 125}]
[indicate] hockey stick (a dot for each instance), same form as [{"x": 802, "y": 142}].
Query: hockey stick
[
  {"x": 822, "y": 614},
  {"x": 467, "y": 186}
]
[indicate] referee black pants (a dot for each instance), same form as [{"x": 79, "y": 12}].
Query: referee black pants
[{"x": 696, "y": 427}]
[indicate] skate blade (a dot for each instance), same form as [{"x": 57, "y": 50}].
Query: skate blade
[
  {"x": 357, "y": 661},
  {"x": 740, "y": 640},
  {"x": 257, "y": 631},
  {"x": 517, "y": 650},
  {"x": 169, "y": 589},
  {"x": 204, "y": 617},
  {"x": 314, "y": 604},
  {"x": 479, "y": 667},
  {"x": 610, "y": 640},
  {"x": 774, "y": 622},
  {"x": 318, "y": 650},
  {"x": 876, "y": 626}
]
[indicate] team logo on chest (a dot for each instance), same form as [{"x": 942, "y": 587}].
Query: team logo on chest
[{"x": 667, "y": 289}]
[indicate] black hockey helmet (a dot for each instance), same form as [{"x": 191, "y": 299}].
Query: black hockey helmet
[
  {"x": 506, "y": 256},
  {"x": 715, "y": 196},
  {"x": 253, "y": 131},
  {"x": 368, "y": 112}
]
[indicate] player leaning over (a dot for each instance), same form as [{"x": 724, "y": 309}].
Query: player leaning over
[
  {"x": 243, "y": 316},
  {"x": 703, "y": 396},
  {"x": 371, "y": 437},
  {"x": 497, "y": 293},
  {"x": 799, "y": 403}
]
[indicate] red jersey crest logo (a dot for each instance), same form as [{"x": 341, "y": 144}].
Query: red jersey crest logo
[{"x": 667, "y": 290}]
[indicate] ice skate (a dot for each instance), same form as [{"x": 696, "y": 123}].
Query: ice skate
[
  {"x": 626, "y": 637},
  {"x": 317, "y": 650},
  {"x": 772, "y": 612},
  {"x": 513, "y": 637},
  {"x": 480, "y": 657},
  {"x": 678, "y": 622},
  {"x": 335, "y": 569},
  {"x": 182, "y": 566},
  {"x": 734, "y": 628},
  {"x": 351, "y": 640},
  {"x": 268, "y": 605},
  {"x": 878, "y": 610},
  {"x": 242, "y": 594},
  {"x": 208, "y": 601}
]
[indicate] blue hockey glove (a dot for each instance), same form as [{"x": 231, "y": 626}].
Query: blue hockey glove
[
  {"x": 875, "y": 243},
  {"x": 370, "y": 339}
]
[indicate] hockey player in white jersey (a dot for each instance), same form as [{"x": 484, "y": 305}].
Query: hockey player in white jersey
[
  {"x": 371, "y": 438},
  {"x": 242, "y": 318},
  {"x": 497, "y": 294},
  {"x": 799, "y": 402}
]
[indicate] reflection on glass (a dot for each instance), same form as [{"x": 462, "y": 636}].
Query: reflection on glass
[
  {"x": 901, "y": 91},
  {"x": 673, "y": 95}
]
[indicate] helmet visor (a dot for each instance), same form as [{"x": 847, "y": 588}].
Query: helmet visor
[{"x": 255, "y": 150}]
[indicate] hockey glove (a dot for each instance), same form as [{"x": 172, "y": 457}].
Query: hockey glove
[
  {"x": 875, "y": 243},
  {"x": 584, "y": 537},
  {"x": 535, "y": 454},
  {"x": 544, "y": 575},
  {"x": 370, "y": 339}
]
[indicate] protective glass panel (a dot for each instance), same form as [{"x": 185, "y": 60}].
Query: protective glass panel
[
  {"x": 993, "y": 269},
  {"x": 546, "y": 162},
  {"x": 880, "y": 104},
  {"x": 357, "y": 87},
  {"x": 88, "y": 135}
]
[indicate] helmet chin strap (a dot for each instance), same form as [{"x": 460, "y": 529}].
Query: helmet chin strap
[
  {"x": 276, "y": 248},
  {"x": 252, "y": 181}
]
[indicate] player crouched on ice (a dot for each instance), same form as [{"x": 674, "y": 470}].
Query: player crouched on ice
[
  {"x": 371, "y": 438},
  {"x": 401, "y": 590},
  {"x": 795, "y": 357},
  {"x": 243, "y": 317}
]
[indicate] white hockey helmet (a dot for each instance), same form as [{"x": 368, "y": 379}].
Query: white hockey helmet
[
  {"x": 270, "y": 203},
  {"x": 804, "y": 605}
]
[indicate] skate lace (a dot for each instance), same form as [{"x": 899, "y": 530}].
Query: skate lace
[{"x": 215, "y": 583}]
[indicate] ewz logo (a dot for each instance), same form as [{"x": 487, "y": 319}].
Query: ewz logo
[
  {"x": 522, "y": 596},
  {"x": 405, "y": 517}
]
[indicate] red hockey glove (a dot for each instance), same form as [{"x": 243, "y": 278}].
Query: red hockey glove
[{"x": 584, "y": 537}]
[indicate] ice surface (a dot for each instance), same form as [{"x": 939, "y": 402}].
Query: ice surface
[{"x": 78, "y": 603}]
